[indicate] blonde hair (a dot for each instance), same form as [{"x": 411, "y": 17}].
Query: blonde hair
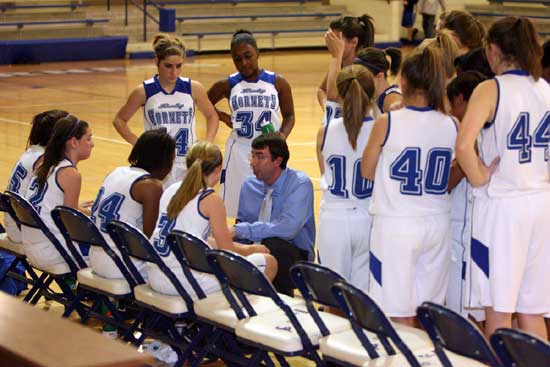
[
  {"x": 356, "y": 88},
  {"x": 202, "y": 159},
  {"x": 446, "y": 43},
  {"x": 165, "y": 45}
]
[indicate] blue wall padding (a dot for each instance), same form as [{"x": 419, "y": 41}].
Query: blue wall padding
[
  {"x": 66, "y": 49},
  {"x": 167, "y": 20}
]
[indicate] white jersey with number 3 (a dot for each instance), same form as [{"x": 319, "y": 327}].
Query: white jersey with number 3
[{"x": 519, "y": 134}]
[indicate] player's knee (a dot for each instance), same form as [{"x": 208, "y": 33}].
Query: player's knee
[{"x": 271, "y": 266}]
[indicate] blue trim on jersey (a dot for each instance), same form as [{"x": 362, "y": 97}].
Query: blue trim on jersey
[
  {"x": 142, "y": 177},
  {"x": 384, "y": 94},
  {"x": 480, "y": 255},
  {"x": 489, "y": 123},
  {"x": 387, "y": 131},
  {"x": 36, "y": 162},
  {"x": 516, "y": 72},
  {"x": 325, "y": 135},
  {"x": 375, "y": 266},
  {"x": 236, "y": 78},
  {"x": 183, "y": 86},
  {"x": 454, "y": 123},
  {"x": 59, "y": 170},
  {"x": 204, "y": 194},
  {"x": 420, "y": 109},
  {"x": 367, "y": 119}
]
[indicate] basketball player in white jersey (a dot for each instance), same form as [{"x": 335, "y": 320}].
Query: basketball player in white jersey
[
  {"x": 168, "y": 101},
  {"x": 511, "y": 113},
  {"x": 194, "y": 207},
  {"x": 256, "y": 97},
  {"x": 459, "y": 91},
  {"x": 132, "y": 193},
  {"x": 57, "y": 182},
  {"x": 387, "y": 96},
  {"x": 409, "y": 156},
  {"x": 344, "y": 221},
  {"x": 357, "y": 33},
  {"x": 41, "y": 130}
]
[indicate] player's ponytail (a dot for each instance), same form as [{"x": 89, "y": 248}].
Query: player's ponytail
[
  {"x": 356, "y": 89},
  {"x": 424, "y": 74},
  {"x": 64, "y": 129},
  {"x": 518, "y": 42},
  {"x": 361, "y": 27},
  {"x": 201, "y": 159}
]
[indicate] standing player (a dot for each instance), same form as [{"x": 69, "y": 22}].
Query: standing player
[
  {"x": 344, "y": 221},
  {"x": 256, "y": 97},
  {"x": 511, "y": 113},
  {"x": 459, "y": 91},
  {"x": 411, "y": 150},
  {"x": 56, "y": 182},
  {"x": 41, "y": 130},
  {"x": 194, "y": 207},
  {"x": 344, "y": 38},
  {"x": 132, "y": 194},
  {"x": 168, "y": 100}
]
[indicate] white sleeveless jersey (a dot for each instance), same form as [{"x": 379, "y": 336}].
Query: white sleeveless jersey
[
  {"x": 519, "y": 135},
  {"x": 175, "y": 111},
  {"x": 333, "y": 110},
  {"x": 19, "y": 182},
  {"x": 252, "y": 103},
  {"x": 378, "y": 107},
  {"x": 115, "y": 201},
  {"x": 413, "y": 170},
  {"x": 346, "y": 187},
  {"x": 189, "y": 220},
  {"x": 44, "y": 201}
]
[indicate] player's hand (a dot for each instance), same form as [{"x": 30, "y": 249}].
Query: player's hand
[
  {"x": 87, "y": 204},
  {"x": 255, "y": 249},
  {"x": 488, "y": 170},
  {"x": 335, "y": 43}
]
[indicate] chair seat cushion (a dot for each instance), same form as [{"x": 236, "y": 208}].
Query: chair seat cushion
[
  {"x": 346, "y": 347},
  {"x": 216, "y": 308},
  {"x": 57, "y": 269},
  {"x": 114, "y": 286},
  {"x": 274, "y": 330},
  {"x": 6, "y": 243},
  {"x": 171, "y": 304},
  {"x": 426, "y": 357}
]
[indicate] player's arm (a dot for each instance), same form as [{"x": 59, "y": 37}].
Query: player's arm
[
  {"x": 377, "y": 139},
  {"x": 218, "y": 91},
  {"x": 286, "y": 102},
  {"x": 322, "y": 93},
  {"x": 148, "y": 192},
  {"x": 481, "y": 108},
  {"x": 135, "y": 101},
  {"x": 212, "y": 207},
  {"x": 207, "y": 109},
  {"x": 70, "y": 181},
  {"x": 320, "y": 140},
  {"x": 335, "y": 44}
]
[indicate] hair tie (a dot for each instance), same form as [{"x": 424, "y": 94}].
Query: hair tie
[{"x": 369, "y": 66}]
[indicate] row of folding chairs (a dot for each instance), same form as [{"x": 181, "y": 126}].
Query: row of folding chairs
[{"x": 248, "y": 323}]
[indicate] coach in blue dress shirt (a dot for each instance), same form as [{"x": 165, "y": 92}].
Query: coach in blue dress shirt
[{"x": 276, "y": 208}]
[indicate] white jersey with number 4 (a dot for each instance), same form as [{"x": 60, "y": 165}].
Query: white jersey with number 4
[
  {"x": 413, "y": 170},
  {"x": 519, "y": 136}
]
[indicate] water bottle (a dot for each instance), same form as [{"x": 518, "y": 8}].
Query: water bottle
[{"x": 267, "y": 127}]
